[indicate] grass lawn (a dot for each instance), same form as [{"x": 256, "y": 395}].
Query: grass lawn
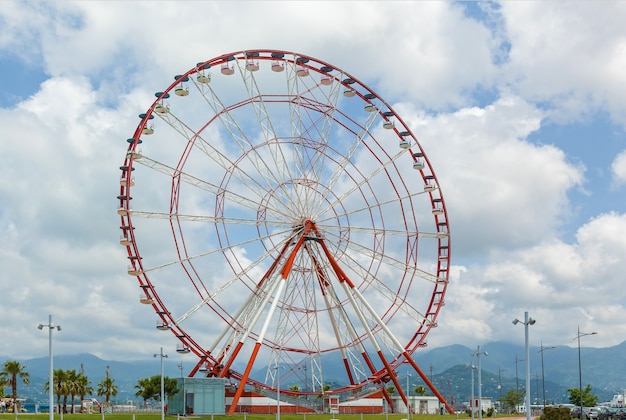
[{"x": 157, "y": 416}]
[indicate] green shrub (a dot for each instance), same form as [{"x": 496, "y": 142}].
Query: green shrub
[{"x": 555, "y": 413}]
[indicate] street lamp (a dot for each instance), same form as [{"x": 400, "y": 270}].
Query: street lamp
[
  {"x": 162, "y": 385},
  {"x": 500, "y": 370},
  {"x": 580, "y": 370},
  {"x": 543, "y": 378},
  {"x": 408, "y": 393},
  {"x": 471, "y": 366},
  {"x": 480, "y": 396},
  {"x": 527, "y": 322},
  {"x": 517, "y": 373},
  {"x": 50, "y": 327},
  {"x": 278, "y": 390}
]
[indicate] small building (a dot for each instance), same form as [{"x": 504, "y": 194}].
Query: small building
[
  {"x": 420, "y": 404},
  {"x": 486, "y": 404},
  {"x": 260, "y": 402},
  {"x": 198, "y": 396},
  {"x": 371, "y": 403},
  {"x": 617, "y": 401}
]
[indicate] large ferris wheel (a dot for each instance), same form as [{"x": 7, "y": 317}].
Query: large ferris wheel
[{"x": 285, "y": 225}]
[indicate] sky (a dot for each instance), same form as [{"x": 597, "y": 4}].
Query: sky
[{"x": 520, "y": 106}]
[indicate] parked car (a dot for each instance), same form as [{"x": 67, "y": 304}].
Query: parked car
[
  {"x": 592, "y": 413},
  {"x": 575, "y": 413},
  {"x": 606, "y": 413},
  {"x": 616, "y": 414}
]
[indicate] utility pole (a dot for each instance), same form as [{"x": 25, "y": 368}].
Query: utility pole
[
  {"x": 500, "y": 370},
  {"x": 516, "y": 373}
]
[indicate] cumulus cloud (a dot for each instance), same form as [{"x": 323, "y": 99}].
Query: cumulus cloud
[
  {"x": 499, "y": 186},
  {"x": 553, "y": 280},
  {"x": 618, "y": 168},
  {"x": 565, "y": 58},
  {"x": 508, "y": 188}
]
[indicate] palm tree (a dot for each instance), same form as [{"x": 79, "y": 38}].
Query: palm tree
[
  {"x": 70, "y": 388},
  {"x": 144, "y": 390},
  {"x": 11, "y": 371},
  {"x": 59, "y": 377},
  {"x": 107, "y": 388},
  {"x": 296, "y": 388},
  {"x": 420, "y": 390},
  {"x": 83, "y": 386},
  {"x": 3, "y": 383}
]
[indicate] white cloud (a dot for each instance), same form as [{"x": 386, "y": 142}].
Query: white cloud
[
  {"x": 558, "y": 283},
  {"x": 509, "y": 199},
  {"x": 570, "y": 57},
  {"x": 498, "y": 186},
  {"x": 618, "y": 168}
]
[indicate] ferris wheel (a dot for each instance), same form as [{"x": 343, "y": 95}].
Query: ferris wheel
[{"x": 286, "y": 226}]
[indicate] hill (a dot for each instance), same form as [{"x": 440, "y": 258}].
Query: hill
[{"x": 502, "y": 369}]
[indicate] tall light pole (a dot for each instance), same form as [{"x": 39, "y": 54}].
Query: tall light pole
[
  {"x": 500, "y": 370},
  {"x": 305, "y": 377},
  {"x": 480, "y": 385},
  {"x": 471, "y": 366},
  {"x": 516, "y": 373},
  {"x": 277, "y": 368},
  {"x": 162, "y": 384},
  {"x": 408, "y": 393},
  {"x": 50, "y": 327},
  {"x": 527, "y": 322},
  {"x": 580, "y": 370},
  {"x": 543, "y": 377}
]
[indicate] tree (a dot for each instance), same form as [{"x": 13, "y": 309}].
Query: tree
[
  {"x": 512, "y": 399},
  {"x": 145, "y": 390},
  {"x": 107, "y": 388},
  {"x": 588, "y": 399},
  {"x": 83, "y": 386},
  {"x": 420, "y": 390},
  {"x": 58, "y": 377},
  {"x": 150, "y": 388},
  {"x": 294, "y": 388},
  {"x": 12, "y": 371},
  {"x": 69, "y": 383},
  {"x": 391, "y": 390},
  {"x": 70, "y": 389},
  {"x": 3, "y": 383}
]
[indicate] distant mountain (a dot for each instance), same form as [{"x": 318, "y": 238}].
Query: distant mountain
[
  {"x": 603, "y": 368},
  {"x": 125, "y": 374}
]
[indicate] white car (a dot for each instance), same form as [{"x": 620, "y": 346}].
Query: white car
[{"x": 592, "y": 413}]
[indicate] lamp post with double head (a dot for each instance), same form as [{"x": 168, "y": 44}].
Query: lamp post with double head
[
  {"x": 543, "y": 377},
  {"x": 50, "y": 327},
  {"x": 527, "y": 322},
  {"x": 471, "y": 366},
  {"x": 162, "y": 384},
  {"x": 408, "y": 393},
  {"x": 500, "y": 370},
  {"x": 580, "y": 370},
  {"x": 480, "y": 385},
  {"x": 517, "y": 372},
  {"x": 277, "y": 369}
]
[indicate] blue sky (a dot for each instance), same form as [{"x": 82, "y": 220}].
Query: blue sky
[
  {"x": 521, "y": 107},
  {"x": 21, "y": 79}
]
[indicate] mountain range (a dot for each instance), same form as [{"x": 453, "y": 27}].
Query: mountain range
[{"x": 502, "y": 368}]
